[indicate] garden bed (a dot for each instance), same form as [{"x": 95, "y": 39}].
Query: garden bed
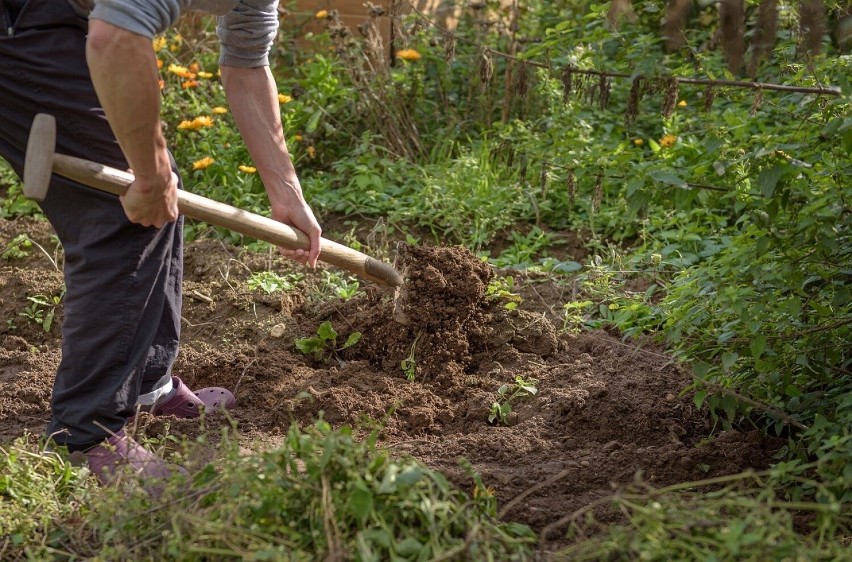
[{"x": 606, "y": 412}]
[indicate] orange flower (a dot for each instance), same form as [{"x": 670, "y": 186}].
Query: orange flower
[
  {"x": 189, "y": 84},
  {"x": 668, "y": 141},
  {"x": 159, "y": 64},
  {"x": 408, "y": 54},
  {"x": 203, "y": 163},
  {"x": 197, "y": 123},
  {"x": 181, "y": 71},
  {"x": 194, "y": 67}
]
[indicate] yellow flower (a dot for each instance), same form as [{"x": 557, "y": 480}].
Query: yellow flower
[
  {"x": 197, "y": 123},
  {"x": 177, "y": 41},
  {"x": 203, "y": 163},
  {"x": 681, "y": 103},
  {"x": 205, "y": 75},
  {"x": 312, "y": 151},
  {"x": 159, "y": 43},
  {"x": 298, "y": 138},
  {"x": 219, "y": 110},
  {"x": 284, "y": 98},
  {"x": 638, "y": 142},
  {"x": 322, "y": 14},
  {"x": 408, "y": 54},
  {"x": 247, "y": 169},
  {"x": 181, "y": 71},
  {"x": 668, "y": 141}
]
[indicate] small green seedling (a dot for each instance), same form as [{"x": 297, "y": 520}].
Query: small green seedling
[
  {"x": 409, "y": 364},
  {"x": 502, "y": 407},
  {"x": 42, "y": 309},
  {"x": 576, "y": 314},
  {"x": 502, "y": 288},
  {"x": 325, "y": 342}
]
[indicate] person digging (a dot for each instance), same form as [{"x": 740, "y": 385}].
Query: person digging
[{"x": 90, "y": 64}]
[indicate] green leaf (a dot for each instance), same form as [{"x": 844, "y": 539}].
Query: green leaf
[
  {"x": 326, "y": 331},
  {"x": 409, "y": 546},
  {"x": 655, "y": 147},
  {"x": 700, "y": 369},
  {"x": 729, "y": 358},
  {"x": 757, "y": 346},
  {"x": 668, "y": 176},
  {"x": 699, "y": 397},
  {"x": 353, "y": 338},
  {"x": 410, "y": 475},
  {"x": 792, "y": 391},
  {"x": 768, "y": 180},
  {"x": 361, "y": 502},
  {"x": 309, "y": 345},
  {"x": 313, "y": 121}
]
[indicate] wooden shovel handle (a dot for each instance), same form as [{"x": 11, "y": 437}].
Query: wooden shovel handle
[{"x": 201, "y": 208}]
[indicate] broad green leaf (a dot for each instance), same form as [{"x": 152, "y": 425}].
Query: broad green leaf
[
  {"x": 768, "y": 180},
  {"x": 311, "y": 126},
  {"x": 326, "y": 331},
  {"x": 361, "y": 502},
  {"x": 700, "y": 369},
  {"x": 757, "y": 346},
  {"x": 792, "y": 391},
  {"x": 353, "y": 338}
]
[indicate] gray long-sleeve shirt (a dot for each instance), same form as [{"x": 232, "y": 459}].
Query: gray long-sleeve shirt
[{"x": 246, "y": 28}]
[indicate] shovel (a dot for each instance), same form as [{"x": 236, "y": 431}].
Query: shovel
[{"x": 42, "y": 161}]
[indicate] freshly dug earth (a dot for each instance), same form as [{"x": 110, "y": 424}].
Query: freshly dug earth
[{"x": 607, "y": 412}]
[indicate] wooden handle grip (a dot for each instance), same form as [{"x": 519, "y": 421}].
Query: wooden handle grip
[{"x": 219, "y": 214}]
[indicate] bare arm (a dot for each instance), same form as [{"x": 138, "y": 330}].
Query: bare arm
[
  {"x": 124, "y": 72},
  {"x": 253, "y": 97}
]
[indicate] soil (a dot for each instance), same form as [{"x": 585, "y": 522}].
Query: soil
[{"x": 608, "y": 412}]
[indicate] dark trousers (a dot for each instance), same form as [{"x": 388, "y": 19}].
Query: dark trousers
[{"x": 123, "y": 281}]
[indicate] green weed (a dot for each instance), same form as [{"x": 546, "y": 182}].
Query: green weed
[
  {"x": 42, "y": 309},
  {"x": 271, "y": 282},
  {"x": 324, "y": 343},
  {"x": 409, "y": 364},
  {"x": 506, "y": 395},
  {"x": 501, "y": 288}
]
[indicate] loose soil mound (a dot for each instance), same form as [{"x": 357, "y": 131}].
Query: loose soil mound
[{"x": 606, "y": 413}]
